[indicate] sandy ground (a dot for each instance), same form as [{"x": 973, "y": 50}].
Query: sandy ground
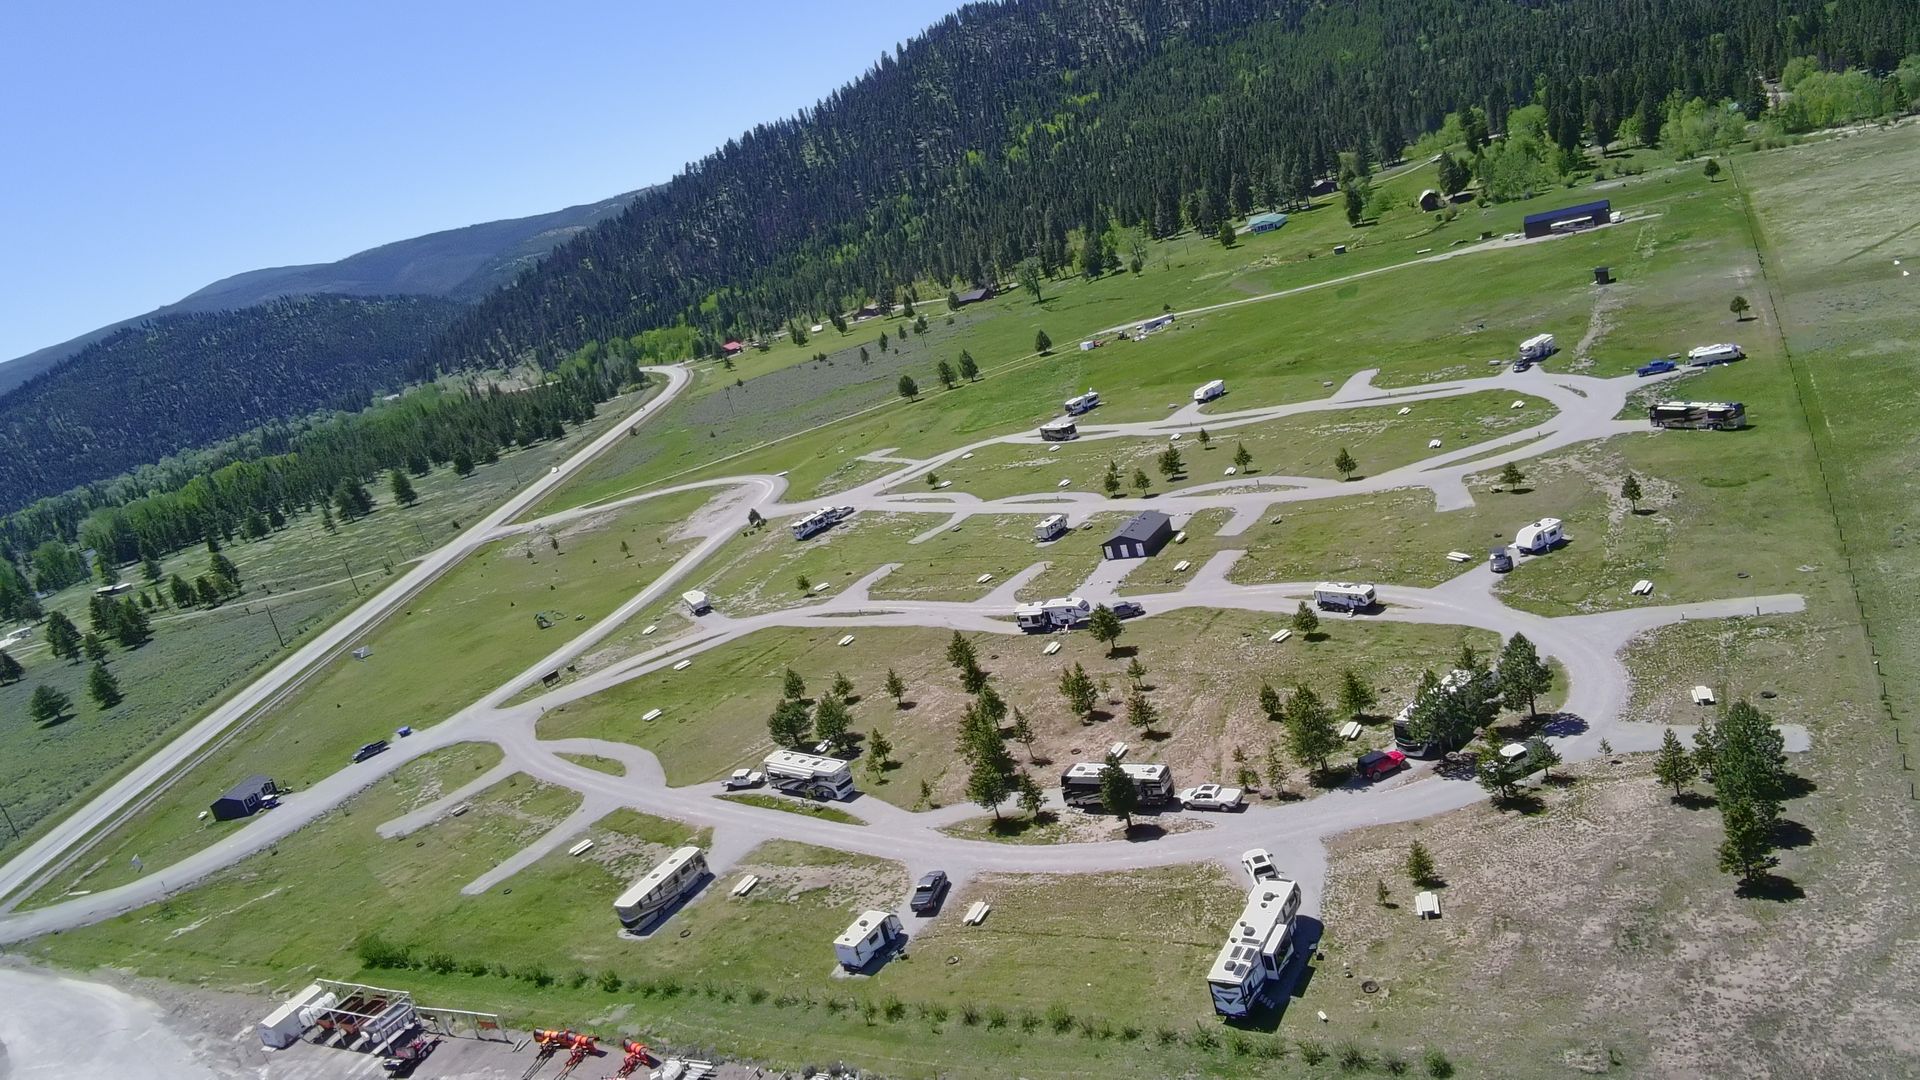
[{"x": 43, "y": 1013}]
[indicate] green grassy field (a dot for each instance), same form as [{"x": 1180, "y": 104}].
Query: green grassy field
[
  {"x": 472, "y": 628},
  {"x": 713, "y": 715}
]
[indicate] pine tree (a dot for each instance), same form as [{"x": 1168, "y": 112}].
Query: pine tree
[
  {"x": 944, "y": 372},
  {"x": 403, "y": 492},
  {"x": 102, "y": 686},
  {"x": 1112, "y": 482},
  {"x": 62, "y": 636},
  {"x": 94, "y": 648},
  {"x": 908, "y": 388},
  {"x": 830, "y": 722},
  {"x": 1077, "y": 687},
  {"x": 1747, "y": 847},
  {"x": 1523, "y": 676},
  {"x": 1032, "y": 800},
  {"x": 1105, "y": 626},
  {"x": 1042, "y": 344},
  {"x": 1270, "y": 704},
  {"x": 1170, "y": 464},
  {"x": 1630, "y": 491},
  {"x": 1226, "y": 234},
  {"x": 1140, "y": 482},
  {"x": 48, "y": 706},
  {"x": 896, "y": 688},
  {"x": 1241, "y": 457},
  {"x": 1312, "y": 736},
  {"x": 791, "y": 723},
  {"x": 992, "y": 775},
  {"x": 960, "y": 652},
  {"x": 879, "y": 752},
  {"x": 1205, "y": 439},
  {"x": 1022, "y": 731},
  {"x": 1739, "y": 307},
  {"x": 1673, "y": 766},
  {"x": 181, "y": 592},
  {"x": 1344, "y": 464},
  {"x": 10, "y": 669},
  {"x": 1356, "y": 697},
  {"x": 1306, "y": 621},
  {"x": 1117, "y": 793},
  {"x": 842, "y": 686},
  {"x": 1420, "y": 868},
  {"x": 130, "y": 626},
  {"x": 1511, "y": 477},
  {"x": 1136, "y": 673},
  {"x": 1141, "y": 713},
  {"x": 969, "y": 370},
  {"x": 792, "y": 686}
]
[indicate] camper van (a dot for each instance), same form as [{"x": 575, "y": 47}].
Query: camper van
[
  {"x": 1060, "y": 613},
  {"x": 1452, "y": 683},
  {"x": 660, "y": 888},
  {"x": 1050, "y": 527},
  {"x": 1061, "y": 429},
  {"x": 808, "y": 774},
  {"x": 1343, "y": 596},
  {"x": 1258, "y": 949},
  {"x": 1712, "y": 415},
  {"x": 872, "y": 934},
  {"x": 1208, "y": 391},
  {"x": 1538, "y": 347},
  {"x": 1539, "y": 536},
  {"x": 1082, "y": 403},
  {"x": 1080, "y": 784},
  {"x": 1708, "y": 355}
]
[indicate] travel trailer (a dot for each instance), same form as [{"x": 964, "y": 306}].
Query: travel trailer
[
  {"x": 872, "y": 934},
  {"x": 1344, "y": 596},
  {"x": 1059, "y": 613},
  {"x": 1208, "y": 391},
  {"x": 1050, "y": 527},
  {"x": 1712, "y": 415},
  {"x": 1539, "y": 536}
]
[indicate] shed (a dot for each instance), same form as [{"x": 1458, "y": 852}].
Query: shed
[
  {"x": 973, "y": 296},
  {"x": 244, "y": 798},
  {"x": 1260, "y": 223},
  {"x": 732, "y": 348},
  {"x": 1567, "y": 218},
  {"x": 1143, "y": 534}
]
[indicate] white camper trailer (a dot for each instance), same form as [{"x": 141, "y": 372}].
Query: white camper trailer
[
  {"x": 870, "y": 935},
  {"x": 1080, "y": 783},
  {"x": 1258, "y": 948},
  {"x": 1539, "y": 536},
  {"x": 1051, "y": 526},
  {"x": 808, "y": 774},
  {"x": 1708, "y": 355},
  {"x": 1059, "y": 613},
  {"x": 1343, "y": 596},
  {"x": 660, "y": 887},
  {"x": 696, "y": 602},
  {"x": 1081, "y": 403},
  {"x": 1208, "y": 391},
  {"x": 1538, "y": 347},
  {"x": 1452, "y": 683},
  {"x": 1059, "y": 429}
]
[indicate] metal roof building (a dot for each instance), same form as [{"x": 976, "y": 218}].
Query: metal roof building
[
  {"x": 1584, "y": 216},
  {"x": 1142, "y": 535}
]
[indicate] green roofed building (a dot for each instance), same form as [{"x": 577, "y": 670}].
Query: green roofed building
[{"x": 1260, "y": 223}]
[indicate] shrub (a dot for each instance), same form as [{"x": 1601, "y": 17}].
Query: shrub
[
  {"x": 1166, "y": 1036},
  {"x": 499, "y": 970},
  {"x": 1272, "y": 1049},
  {"x": 1438, "y": 1064},
  {"x": 1394, "y": 1064},
  {"x": 578, "y": 979},
  {"x": 785, "y": 1001},
  {"x": 1059, "y": 1019},
  {"x": 1240, "y": 1046},
  {"x": 475, "y": 968},
  {"x": 610, "y": 981},
  {"x": 1312, "y": 1052},
  {"x": 536, "y": 974},
  {"x": 1203, "y": 1038},
  {"x": 868, "y": 1010},
  {"x": 893, "y": 1009},
  {"x": 1351, "y": 1058},
  {"x": 836, "y": 1006},
  {"x": 1129, "y": 1032},
  {"x": 756, "y": 995},
  {"x": 970, "y": 1014},
  {"x": 440, "y": 963},
  {"x": 996, "y": 1018},
  {"x": 377, "y": 952},
  {"x": 1029, "y": 1022}
]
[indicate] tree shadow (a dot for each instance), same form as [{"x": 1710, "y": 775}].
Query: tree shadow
[
  {"x": 1143, "y": 832},
  {"x": 55, "y": 721},
  {"x": 1694, "y": 800},
  {"x": 1020, "y": 826},
  {"x": 1123, "y": 652},
  {"x": 1789, "y": 834},
  {"x": 1524, "y": 803},
  {"x": 1156, "y": 736},
  {"x": 1795, "y": 786},
  {"x": 1096, "y": 716},
  {"x": 903, "y": 705},
  {"x": 1562, "y": 724},
  {"x": 1773, "y": 887},
  {"x": 1333, "y": 776}
]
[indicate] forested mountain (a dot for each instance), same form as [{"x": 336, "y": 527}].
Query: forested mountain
[
  {"x": 986, "y": 140},
  {"x": 459, "y": 264},
  {"x": 182, "y": 381}
]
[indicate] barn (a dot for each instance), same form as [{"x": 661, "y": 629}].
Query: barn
[
  {"x": 1142, "y": 535},
  {"x": 244, "y": 798},
  {"x": 1584, "y": 216},
  {"x": 1261, "y": 223}
]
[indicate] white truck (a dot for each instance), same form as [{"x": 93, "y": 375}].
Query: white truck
[
  {"x": 1708, "y": 355},
  {"x": 1081, "y": 403},
  {"x": 1212, "y": 797},
  {"x": 1060, "y": 613},
  {"x": 811, "y": 775},
  {"x": 871, "y": 935},
  {"x": 1206, "y": 392},
  {"x": 1538, "y": 347},
  {"x": 1050, "y": 527},
  {"x": 1344, "y": 596},
  {"x": 743, "y": 778}
]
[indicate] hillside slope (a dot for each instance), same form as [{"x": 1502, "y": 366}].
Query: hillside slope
[{"x": 459, "y": 264}]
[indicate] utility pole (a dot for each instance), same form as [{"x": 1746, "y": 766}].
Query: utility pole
[
  {"x": 276, "y": 625},
  {"x": 10, "y": 824},
  {"x": 350, "y": 577}
]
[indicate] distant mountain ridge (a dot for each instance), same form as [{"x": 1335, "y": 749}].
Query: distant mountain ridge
[{"x": 460, "y": 264}]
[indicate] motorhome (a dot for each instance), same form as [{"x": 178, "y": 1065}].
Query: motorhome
[
  {"x": 1258, "y": 949},
  {"x": 1060, "y": 613},
  {"x": 1050, "y": 527},
  {"x": 1539, "y": 536},
  {"x": 1208, "y": 391},
  {"x": 1060, "y": 429},
  {"x": 1344, "y": 596},
  {"x": 1538, "y": 347},
  {"x": 1708, "y": 355},
  {"x": 661, "y": 887},
  {"x": 808, "y": 774},
  {"x": 820, "y": 521},
  {"x": 1081, "y": 403},
  {"x": 1452, "y": 683},
  {"x": 872, "y": 934},
  {"x": 1712, "y": 415},
  {"x": 696, "y": 602},
  {"x": 1080, "y": 783}
]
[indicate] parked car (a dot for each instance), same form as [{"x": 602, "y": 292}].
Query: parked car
[
  {"x": 930, "y": 892},
  {"x": 1516, "y": 754},
  {"x": 1375, "y": 764},
  {"x": 1258, "y": 864},
  {"x": 1499, "y": 561},
  {"x": 744, "y": 778},
  {"x": 1127, "y": 609},
  {"x": 1212, "y": 797},
  {"x": 369, "y": 750},
  {"x": 1655, "y": 367},
  {"x": 1522, "y": 364}
]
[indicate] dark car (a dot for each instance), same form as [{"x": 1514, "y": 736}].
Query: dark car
[
  {"x": 1127, "y": 609},
  {"x": 930, "y": 892},
  {"x": 1655, "y": 367},
  {"x": 1375, "y": 764},
  {"x": 1522, "y": 365},
  {"x": 369, "y": 750},
  {"x": 1499, "y": 561}
]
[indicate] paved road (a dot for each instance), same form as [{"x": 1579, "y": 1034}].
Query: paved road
[
  {"x": 53, "y": 850},
  {"x": 1588, "y": 646},
  {"x": 54, "y": 1028}
]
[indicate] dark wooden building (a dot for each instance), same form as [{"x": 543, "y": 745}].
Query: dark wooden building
[
  {"x": 245, "y": 798},
  {"x": 1142, "y": 535}
]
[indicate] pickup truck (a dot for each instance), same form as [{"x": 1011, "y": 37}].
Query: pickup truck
[
  {"x": 1212, "y": 797},
  {"x": 743, "y": 778},
  {"x": 1655, "y": 367}
]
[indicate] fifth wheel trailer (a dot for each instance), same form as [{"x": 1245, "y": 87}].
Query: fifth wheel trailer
[
  {"x": 1080, "y": 783},
  {"x": 808, "y": 774},
  {"x": 1713, "y": 415},
  {"x": 1209, "y": 390},
  {"x": 1059, "y": 613},
  {"x": 1538, "y": 347},
  {"x": 1258, "y": 949}
]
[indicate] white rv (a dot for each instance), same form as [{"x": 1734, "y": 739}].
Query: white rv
[
  {"x": 1208, "y": 391},
  {"x": 1452, "y": 683},
  {"x": 697, "y": 602},
  {"x": 808, "y": 774},
  {"x": 1708, "y": 355},
  {"x": 870, "y": 935},
  {"x": 820, "y": 521},
  {"x": 1057, "y": 614},
  {"x": 657, "y": 891},
  {"x": 1050, "y": 527},
  {"x": 1714, "y": 415},
  {"x": 1343, "y": 596},
  {"x": 1538, "y": 347},
  {"x": 1060, "y": 429},
  {"x": 1080, "y": 783},
  {"x": 1258, "y": 948},
  {"x": 1538, "y": 536},
  {"x": 1081, "y": 403}
]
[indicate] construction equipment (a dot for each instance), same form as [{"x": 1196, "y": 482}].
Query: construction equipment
[
  {"x": 549, "y": 1042},
  {"x": 637, "y": 1055},
  {"x": 579, "y": 1048}
]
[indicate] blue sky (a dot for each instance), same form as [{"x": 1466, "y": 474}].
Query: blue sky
[{"x": 147, "y": 149}]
